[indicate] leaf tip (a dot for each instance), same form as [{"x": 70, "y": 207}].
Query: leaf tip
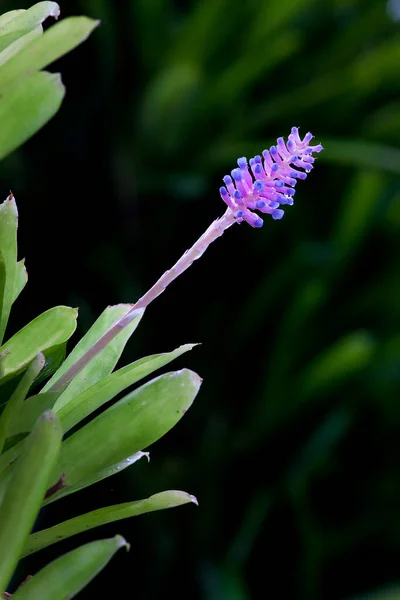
[
  {"x": 195, "y": 378},
  {"x": 55, "y": 11},
  {"x": 91, "y": 24},
  {"x": 48, "y": 415},
  {"x": 121, "y": 542},
  {"x": 191, "y": 346},
  {"x": 56, "y": 79},
  {"x": 11, "y": 200},
  {"x": 193, "y": 499},
  {"x": 41, "y": 360}
]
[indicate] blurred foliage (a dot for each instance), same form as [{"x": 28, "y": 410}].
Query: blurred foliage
[{"x": 292, "y": 448}]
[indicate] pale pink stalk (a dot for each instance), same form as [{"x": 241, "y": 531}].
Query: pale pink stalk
[{"x": 215, "y": 230}]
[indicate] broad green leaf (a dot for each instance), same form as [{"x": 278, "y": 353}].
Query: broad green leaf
[
  {"x": 26, "y": 107},
  {"x": 108, "y": 514},
  {"x": 16, "y": 46},
  {"x": 21, "y": 278},
  {"x": 103, "y": 363},
  {"x": 51, "y": 328},
  {"x": 54, "y": 357},
  {"x": 9, "y": 39},
  {"x": 133, "y": 423},
  {"x": 33, "y": 407},
  {"x": 25, "y": 490},
  {"x": 66, "y": 576},
  {"x": 14, "y": 405},
  {"x": 8, "y": 250},
  {"x": 91, "y": 399},
  {"x": 9, "y": 16},
  {"x": 99, "y": 476},
  {"x": 105, "y": 390},
  {"x": 20, "y": 24},
  {"x": 40, "y": 52},
  {"x": 17, "y": 20},
  {"x": 347, "y": 356},
  {"x": 95, "y": 354}
]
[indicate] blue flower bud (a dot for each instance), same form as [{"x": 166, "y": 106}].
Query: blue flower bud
[
  {"x": 227, "y": 179},
  {"x": 277, "y": 214},
  {"x": 236, "y": 174},
  {"x": 258, "y": 185}
]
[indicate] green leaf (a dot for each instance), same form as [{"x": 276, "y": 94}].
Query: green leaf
[
  {"x": 21, "y": 278},
  {"x": 109, "y": 471},
  {"x": 8, "y": 250},
  {"x": 10, "y": 38},
  {"x": 340, "y": 361},
  {"x": 103, "y": 363},
  {"x": 105, "y": 390},
  {"x": 66, "y": 576},
  {"x": 109, "y": 514},
  {"x": 22, "y": 24},
  {"x": 100, "y": 475},
  {"x": 26, "y": 107},
  {"x": 133, "y": 423},
  {"x": 9, "y": 16},
  {"x": 18, "y": 20},
  {"x": 51, "y": 328},
  {"x": 25, "y": 491},
  {"x": 33, "y": 407},
  {"x": 105, "y": 342},
  {"x": 40, "y": 52},
  {"x": 14, "y": 405},
  {"x": 8, "y": 50}
]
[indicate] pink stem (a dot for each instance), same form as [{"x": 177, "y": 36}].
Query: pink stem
[{"x": 215, "y": 230}]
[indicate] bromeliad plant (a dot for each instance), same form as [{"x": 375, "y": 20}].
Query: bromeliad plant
[{"x": 40, "y": 461}]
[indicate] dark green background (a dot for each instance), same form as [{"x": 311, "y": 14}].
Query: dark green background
[{"x": 292, "y": 445}]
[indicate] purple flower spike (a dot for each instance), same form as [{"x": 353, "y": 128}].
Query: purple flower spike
[{"x": 269, "y": 183}]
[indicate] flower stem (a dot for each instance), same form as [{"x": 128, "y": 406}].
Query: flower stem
[{"x": 214, "y": 231}]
